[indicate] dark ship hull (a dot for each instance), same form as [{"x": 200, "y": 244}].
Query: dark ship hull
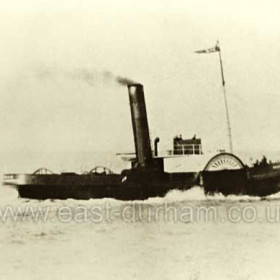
[
  {"x": 129, "y": 187},
  {"x": 143, "y": 186}
]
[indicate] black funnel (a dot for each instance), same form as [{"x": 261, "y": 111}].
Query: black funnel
[{"x": 140, "y": 125}]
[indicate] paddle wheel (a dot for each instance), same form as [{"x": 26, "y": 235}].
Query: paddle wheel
[
  {"x": 224, "y": 161},
  {"x": 224, "y": 173}
]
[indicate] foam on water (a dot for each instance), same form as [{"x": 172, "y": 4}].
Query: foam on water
[{"x": 197, "y": 194}]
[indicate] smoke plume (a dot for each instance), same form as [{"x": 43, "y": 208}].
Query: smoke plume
[
  {"x": 124, "y": 81},
  {"x": 89, "y": 76}
]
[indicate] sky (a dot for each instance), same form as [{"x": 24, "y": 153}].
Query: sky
[{"x": 59, "y": 60}]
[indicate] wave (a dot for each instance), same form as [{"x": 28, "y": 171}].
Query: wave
[
  {"x": 275, "y": 196},
  {"x": 197, "y": 194}
]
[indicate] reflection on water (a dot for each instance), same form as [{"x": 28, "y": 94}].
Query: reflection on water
[{"x": 140, "y": 248}]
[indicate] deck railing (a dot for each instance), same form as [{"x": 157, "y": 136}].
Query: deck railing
[{"x": 187, "y": 149}]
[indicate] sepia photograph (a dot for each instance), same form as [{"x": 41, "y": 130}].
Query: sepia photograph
[{"x": 140, "y": 139}]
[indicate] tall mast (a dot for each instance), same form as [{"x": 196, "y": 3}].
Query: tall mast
[
  {"x": 212, "y": 50},
  {"x": 225, "y": 97}
]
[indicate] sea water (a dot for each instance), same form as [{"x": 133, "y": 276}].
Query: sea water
[{"x": 184, "y": 235}]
